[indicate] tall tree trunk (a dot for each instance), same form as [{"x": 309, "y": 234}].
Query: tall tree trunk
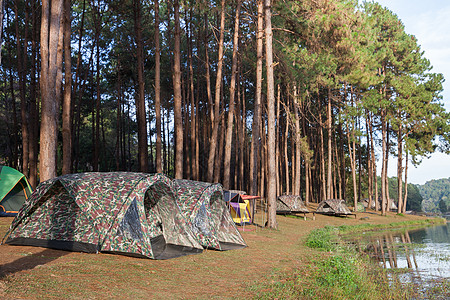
[
  {"x": 158, "y": 89},
  {"x": 329, "y": 171},
  {"x": 140, "y": 99},
  {"x": 255, "y": 148},
  {"x": 2, "y": 9},
  {"x": 400, "y": 168},
  {"x": 194, "y": 162},
  {"x": 403, "y": 209},
  {"x": 21, "y": 64},
  {"x": 215, "y": 129},
  {"x": 383, "y": 164},
  {"x": 230, "y": 120},
  {"x": 96, "y": 111},
  {"x": 298, "y": 153},
  {"x": 271, "y": 187},
  {"x": 50, "y": 25},
  {"x": 34, "y": 119},
  {"x": 67, "y": 105},
  {"x": 286, "y": 157},
  {"x": 369, "y": 163},
  {"x": 177, "y": 97}
]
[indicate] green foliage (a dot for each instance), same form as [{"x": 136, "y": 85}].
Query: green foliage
[
  {"x": 442, "y": 206},
  {"x": 433, "y": 192},
  {"x": 323, "y": 238}
]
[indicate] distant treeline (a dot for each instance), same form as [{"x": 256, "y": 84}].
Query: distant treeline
[{"x": 436, "y": 195}]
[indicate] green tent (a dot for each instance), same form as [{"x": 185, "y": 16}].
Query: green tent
[
  {"x": 204, "y": 207},
  {"x": 120, "y": 212},
  {"x": 14, "y": 191}
]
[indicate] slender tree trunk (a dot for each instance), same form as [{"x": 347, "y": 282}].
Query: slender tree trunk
[
  {"x": 50, "y": 25},
  {"x": 215, "y": 130},
  {"x": 157, "y": 89},
  {"x": 96, "y": 111},
  {"x": 257, "y": 105},
  {"x": 403, "y": 209},
  {"x": 194, "y": 162},
  {"x": 67, "y": 105},
  {"x": 298, "y": 153},
  {"x": 34, "y": 119},
  {"x": 177, "y": 97},
  {"x": 230, "y": 120},
  {"x": 383, "y": 164},
  {"x": 322, "y": 161},
  {"x": 21, "y": 64},
  {"x": 140, "y": 99},
  {"x": 329, "y": 173},
  {"x": 2, "y": 9},
  {"x": 271, "y": 187},
  {"x": 286, "y": 157},
  {"x": 400, "y": 169}
]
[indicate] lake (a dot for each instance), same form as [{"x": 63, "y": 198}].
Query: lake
[{"x": 421, "y": 255}]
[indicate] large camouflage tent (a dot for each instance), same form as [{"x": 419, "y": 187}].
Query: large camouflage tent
[
  {"x": 205, "y": 209},
  {"x": 130, "y": 213},
  {"x": 290, "y": 204},
  {"x": 334, "y": 207}
]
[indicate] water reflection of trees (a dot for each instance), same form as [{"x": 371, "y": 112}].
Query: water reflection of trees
[{"x": 386, "y": 250}]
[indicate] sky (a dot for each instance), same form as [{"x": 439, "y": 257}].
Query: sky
[{"x": 429, "y": 21}]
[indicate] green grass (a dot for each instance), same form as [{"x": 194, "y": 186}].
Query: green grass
[{"x": 341, "y": 273}]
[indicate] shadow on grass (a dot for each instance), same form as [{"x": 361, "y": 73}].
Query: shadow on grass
[{"x": 31, "y": 261}]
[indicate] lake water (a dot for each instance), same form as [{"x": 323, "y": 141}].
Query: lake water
[{"x": 424, "y": 253}]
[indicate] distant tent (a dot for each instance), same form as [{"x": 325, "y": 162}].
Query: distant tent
[
  {"x": 365, "y": 202},
  {"x": 14, "y": 191},
  {"x": 128, "y": 213},
  {"x": 204, "y": 207},
  {"x": 335, "y": 207},
  {"x": 290, "y": 204},
  {"x": 241, "y": 208}
]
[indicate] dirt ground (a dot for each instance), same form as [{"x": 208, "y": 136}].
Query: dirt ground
[{"x": 34, "y": 272}]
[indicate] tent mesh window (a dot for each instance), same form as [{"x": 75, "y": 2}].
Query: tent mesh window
[{"x": 130, "y": 226}]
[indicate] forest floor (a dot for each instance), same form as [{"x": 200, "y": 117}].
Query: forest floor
[{"x": 40, "y": 273}]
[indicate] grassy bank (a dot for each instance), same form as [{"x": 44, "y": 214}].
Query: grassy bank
[
  {"x": 340, "y": 272},
  {"x": 276, "y": 264}
]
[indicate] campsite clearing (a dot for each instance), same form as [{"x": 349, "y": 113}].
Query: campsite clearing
[{"x": 34, "y": 272}]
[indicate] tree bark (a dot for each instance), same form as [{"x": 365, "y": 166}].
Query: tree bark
[
  {"x": 67, "y": 105},
  {"x": 400, "y": 168},
  {"x": 257, "y": 105},
  {"x": 177, "y": 97},
  {"x": 230, "y": 120},
  {"x": 158, "y": 89},
  {"x": 2, "y": 9},
  {"x": 50, "y": 25},
  {"x": 271, "y": 186},
  {"x": 329, "y": 170},
  {"x": 140, "y": 99},
  {"x": 215, "y": 129}
]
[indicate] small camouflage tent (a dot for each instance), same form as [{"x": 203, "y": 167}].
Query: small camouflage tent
[
  {"x": 290, "y": 204},
  {"x": 14, "y": 191},
  {"x": 204, "y": 207},
  {"x": 129, "y": 213},
  {"x": 334, "y": 207}
]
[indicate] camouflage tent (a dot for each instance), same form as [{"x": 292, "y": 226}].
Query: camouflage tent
[
  {"x": 290, "y": 204},
  {"x": 129, "y": 213},
  {"x": 335, "y": 207},
  {"x": 204, "y": 207}
]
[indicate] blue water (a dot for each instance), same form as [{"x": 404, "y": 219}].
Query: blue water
[{"x": 425, "y": 252}]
